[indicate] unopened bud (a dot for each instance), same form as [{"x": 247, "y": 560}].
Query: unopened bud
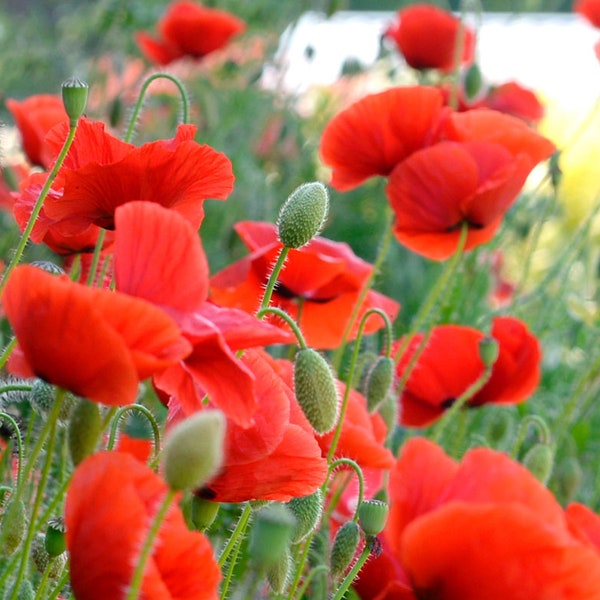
[
  {"x": 193, "y": 451},
  {"x": 203, "y": 512},
  {"x": 271, "y": 535},
  {"x": 373, "y": 515},
  {"x": 43, "y": 397},
  {"x": 473, "y": 84},
  {"x": 307, "y": 510},
  {"x": 303, "y": 214},
  {"x": 74, "y": 95},
  {"x": 84, "y": 430},
  {"x": 570, "y": 476},
  {"x": 540, "y": 462},
  {"x": 278, "y": 573},
  {"x": 315, "y": 390},
  {"x": 344, "y": 548},
  {"x": 389, "y": 411},
  {"x": 14, "y": 527},
  {"x": 488, "y": 350},
  {"x": 378, "y": 382},
  {"x": 54, "y": 540}
]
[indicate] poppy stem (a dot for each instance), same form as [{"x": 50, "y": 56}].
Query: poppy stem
[
  {"x": 359, "y": 475},
  {"x": 354, "y": 571},
  {"x": 133, "y": 408},
  {"x": 283, "y": 315},
  {"x": 38, "y": 206},
  {"x": 536, "y": 422},
  {"x": 17, "y": 434},
  {"x": 273, "y": 277},
  {"x": 96, "y": 257},
  {"x": 233, "y": 545},
  {"x": 138, "y": 575}
]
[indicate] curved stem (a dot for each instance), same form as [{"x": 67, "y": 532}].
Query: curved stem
[
  {"x": 120, "y": 414},
  {"x": 359, "y": 475},
  {"x": 283, "y": 315},
  {"x": 19, "y": 438},
  {"x": 537, "y": 423}
]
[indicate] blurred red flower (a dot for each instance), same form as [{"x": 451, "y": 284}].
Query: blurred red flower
[
  {"x": 319, "y": 286},
  {"x": 189, "y": 29},
  {"x": 450, "y": 363},
  {"x": 110, "y": 504},
  {"x": 440, "y": 511},
  {"x": 93, "y": 342},
  {"x": 427, "y": 36},
  {"x": 374, "y": 134},
  {"x": 590, "y": 9},
  {"x": 35, "y": 116}
]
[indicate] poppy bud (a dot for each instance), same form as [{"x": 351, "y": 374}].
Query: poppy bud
[
  {"x": 203, "y": 512},
  {"x": 278, "y": 573},
  {"x": 378, "y": 382},
  {"x": 14, "y": 527},
  {"x": 344, "y": 548},
  {"x": 473, "y": 82},
  {"x": 303, "y": 214},
  {"x": 271, "y": 534},
  {"x": 315, "y": 390},
  {"x": 84, "y": 430},
  {"x": 389, "y": 411},
  {"x": 42, "y": 399},
  {"x": 74, "y": 95},
  {"x": 488, "y": 350},
  {"x": 307, "y": 510},
  {"x": 540, "y": 461},
  {"x": 54, "y": 540},
  {"x": 499, "y": 427},
  {"x": 569, "y": 476},
  {"x": 193, "y": 450},
  {"x": 373, "y": 515}
]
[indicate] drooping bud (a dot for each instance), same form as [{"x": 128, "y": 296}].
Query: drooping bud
[
  {"x": 344, "y": 548},
  {"x": 278, "y": 573},
  {"x": 43, "y": 396},
  {"x": 569, "y": 477},
  {"x": 378, "y": 382},
  {"x": 203, "y": 512},
  {"x": 303, "y": 214},
  {"x": 84, "y": 430},
  {"x": 54, "y": 541},
  {"x": 315, "y": 390},
  {"x": 193, "y": 450},
  {"x": 389, "y": 410},
  {"x": 307, "y": 510},
  {"x": 488, "y": 350},
  {"x": 500, "y": 427},
  {"x": 473, "y": 83},
  {"x": 271, "y": 535},
  {"x": 373, "y": 515},
  {"x": 13, "y": 527},
  {"x": 540, "y": 461},
  {"x": 74, "y": 95}
]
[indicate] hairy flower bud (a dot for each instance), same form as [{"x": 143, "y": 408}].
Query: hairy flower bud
[
  {"x": 540, "y": 461},
  {"x": 488, "y": 351},
  {"x": 278, "y": 573},
  {"x": 303, "y": 214},
  {"x": 13, "y": 527},
  {"x": 203, "y": 512},
  {"x": 378, "y": 382},
  {"x": 315, "y": 390},
  {"x": 307, "y": 510},
  {"x": 344, "y": 548},
  {"x": 84, "y": 430},
  {"x": 373, "y": 515},
  {"x": 271, "y": 534},
  {"x": 74, "y": 95},
  {"x": 193, "y": 450}
]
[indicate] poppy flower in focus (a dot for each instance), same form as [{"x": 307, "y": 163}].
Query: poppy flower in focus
[
  {"x": 590, "y": 9},
  {"x": 440, "y": 511},
  {"x": 159, "y": 258},
  {"x": 111, "y": 501},
  {"x": 427, "y": 37},
  {"x": 189, "y": 29},
  {"x": 35, "y": 117},
  {"x": 319, "y": 286},
  {"x": 450, "y": 364},
  {"x": 374, "y": 134},
  {"x": 96, "y": 343}
]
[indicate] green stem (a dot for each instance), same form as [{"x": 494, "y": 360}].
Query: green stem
[
  {"x": 354, "y": 571},
  {"x": 7, "y": 352},
  {"x": 62, "y": 582},
  {"x": 138, "y": 575},
  {"x": 38, "y": 206},
  {"x": 535, "y": 421},
  {"x": 283, "y": 315},
  {"x": 120, "y": 414},
  {"x": 20, "y": 455},
  {"x": 266, "y": 300},
  {"x": 96, "y": 257},
  {"x": 361, "y": 481}
]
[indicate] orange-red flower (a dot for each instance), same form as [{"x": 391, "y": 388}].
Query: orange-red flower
[
  {"x": 189, "y": 29},
  {"x": 450, "y": 363},
  {"x": 590, "y": 9},
  {"x": 319, "y": 286},
  {"x": 111, "y": 502},
  {"x": 95, "y": 343},
  {"x": 35, "y": 116},
  {"x": 373, "y": 135},
  {"x": 428, "y": 37},
  {"x": 484, "y": 528}
]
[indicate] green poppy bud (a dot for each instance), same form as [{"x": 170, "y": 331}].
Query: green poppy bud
[
  {"x": 307, "y": 510},
  {"x": 488, "y": 350},
  {"x": 379, "y": 382},
  {"x": 373, "y": 515},
  {"x": 315, "y": 390},
  {"x": 13, "y": 527},
  {"x": 84, "y": 430},
  {"x": 279, "y": 572},
  {"x": 569, "y": 476},
  {"x": 271, "y": 535},
  {"x": 473, "y": 83},
  {"x": 193, "y": 451},
  {"x": 74, "y": 95},
  {"x": 344, "y": 548},
  {"x": 203, "y": 512},
  {"x": 540, "y": 461},
  {"x": 303, "y": 214}
]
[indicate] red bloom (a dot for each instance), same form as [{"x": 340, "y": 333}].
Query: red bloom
[
  {"x": 513, "y": 99},
  {"x": 95, "y": 343},
  {"x": 441, "y": 511},
  {"x": 319, "y": 286},
  {"x": 427, "y": 36},
  {"x": 376, "y": 133},
  {"x": 450, "y": 363},
  {"x": 189, "y": 29},
  {"x": 590, "y": 9},
  {"x": 111, "y": 501},
  {"x": 35, "y": 116}
]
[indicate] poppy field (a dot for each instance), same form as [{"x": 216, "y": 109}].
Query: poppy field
[{"x": 264, "y": 344}]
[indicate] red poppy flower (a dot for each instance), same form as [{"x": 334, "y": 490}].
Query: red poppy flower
[
  {"x": 440, "y": 512},
  {"x": 376, "y": 133},
  {"x": 189, "y": 29},
  {"x": 35, "y": 116},
  {"x": 450, "y": 363},
  {"x": 158, "y": 256},
  {"x": 277, "y": 458},
  {"x": 319, "y": 286},
  {"x": 513, "y": 99},
  {"x": 590, "y": 9},
  {"x": 585, "y": 522},
  {"x": 95, "y": 343},
  {"x": 111, "y": 501},
  {"x": 427, "y": 36}
]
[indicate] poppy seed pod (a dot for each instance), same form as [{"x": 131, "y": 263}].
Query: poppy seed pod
[
  {"x": 74, "y": 95},
  {"x": 54, "y": 540},
  {"x": 193, "y": 450},
  {"x": 303, "y": 214},
  {"x": 373, "y": 515},
  {"x": 344, "y": 548},
  {"x": 315, "y": 390}
]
